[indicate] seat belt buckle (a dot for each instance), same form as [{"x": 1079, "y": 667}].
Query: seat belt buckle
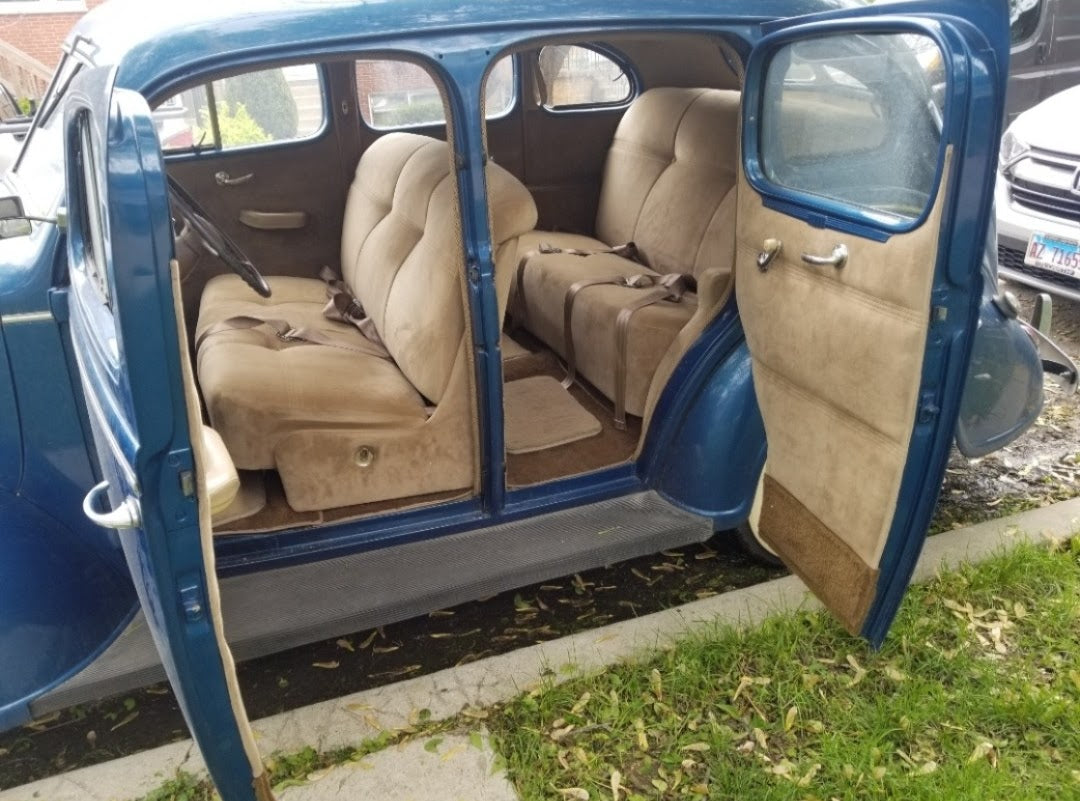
[{"x": 292, "y": 335}]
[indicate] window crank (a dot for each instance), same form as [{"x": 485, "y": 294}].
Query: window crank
[{"x": 770, "y": 249}]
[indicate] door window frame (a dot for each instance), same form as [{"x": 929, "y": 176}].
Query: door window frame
[
  {"x": 815, "y": 209},
  {"x": 608, "y": 52},
  {"x": 195, "y": 152}
]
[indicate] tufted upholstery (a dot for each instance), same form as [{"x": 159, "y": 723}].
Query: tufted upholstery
[
  {"x": 668, "y": 186},
  {"x": 307, "y": 409}
]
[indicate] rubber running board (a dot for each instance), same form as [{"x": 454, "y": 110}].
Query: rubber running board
[{"x": 273, "y": 610}]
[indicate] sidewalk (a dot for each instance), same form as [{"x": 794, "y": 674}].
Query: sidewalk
[{"x": 463, "y": 766}]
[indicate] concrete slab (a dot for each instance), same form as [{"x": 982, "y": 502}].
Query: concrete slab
[
  {"x": 454, "y": 770},
  {"x": 354, "y": 718}
]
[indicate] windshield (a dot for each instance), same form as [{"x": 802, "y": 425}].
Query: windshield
[{"x": 40, "y": 167}]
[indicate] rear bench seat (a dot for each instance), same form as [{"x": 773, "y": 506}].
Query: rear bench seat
[
  {"x": 342, "y": 426},
  {"x": 668, "y": 187}
]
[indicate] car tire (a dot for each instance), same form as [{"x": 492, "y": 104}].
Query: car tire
[{"x": 747, "y": 531}]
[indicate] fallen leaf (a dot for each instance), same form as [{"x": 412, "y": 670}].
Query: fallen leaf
[
  {"x": 696, "y": 747},
  {"x": 879, "y": 772},
  {"x": 657, "y": 684},
  {"x": 789, "y": 718},
  {"x": 441, "y": 613},
  {"x": 369, "y": 639},
  {"x": 984, "y": 750},
  {"x": 928, "y": 768},
  {"x": 385, "y": 649},
  {"x": 809, "y": 775},
  {"x": 616, "y": 784},
  {"x": 130, "y": 716},
  {"x": 346, "y": 644},
  {"x": 575, "y": 793},
  {"x": 331, "y": 665},
  {"x": 895, "y": 673}
]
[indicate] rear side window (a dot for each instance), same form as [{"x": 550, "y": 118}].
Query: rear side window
[
  {"x": 399, "y": 94},
  {"x": 255, "y": 108},
  {"x": 854, "y": 118},
  {"x": 573, "y": 76}
]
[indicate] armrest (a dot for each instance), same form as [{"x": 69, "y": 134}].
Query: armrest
[
  {"x": 222, "y": 480},
  {"x": 713, "y": 286}
]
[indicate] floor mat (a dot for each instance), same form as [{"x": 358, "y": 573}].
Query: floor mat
[
  {"x": 511, "y": 349},
  {"x": 541, "y": 414}
]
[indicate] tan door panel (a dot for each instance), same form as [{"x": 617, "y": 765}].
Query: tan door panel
[{"x": 837, "y": 363}]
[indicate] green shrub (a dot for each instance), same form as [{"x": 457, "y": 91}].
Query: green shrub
[
  {"x": 268, "y": 98},
  {"x": 236, "y": 126}
]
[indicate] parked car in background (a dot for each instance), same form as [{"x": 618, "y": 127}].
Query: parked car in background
[
  {"x": 1038, "y": 197},
  {"x": 1045, "y": 55},
  {"x": 388, "y": 309}
]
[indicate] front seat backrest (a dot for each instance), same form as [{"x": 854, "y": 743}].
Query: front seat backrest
[
  {"x": 402, "y": 253},
  {"x": 670, "y": 168}
]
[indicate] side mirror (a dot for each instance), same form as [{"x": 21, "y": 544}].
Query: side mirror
[{"x": 13, "y": 220}]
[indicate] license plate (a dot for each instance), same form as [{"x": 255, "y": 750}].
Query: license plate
[{"x": 1054, "y": 253}]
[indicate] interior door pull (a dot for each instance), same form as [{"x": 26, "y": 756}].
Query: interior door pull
[
  {"x": 127, "y": 515},
  {"x": 224, "y": 179},
  {"x": 838, "y": 258},
  {"x": 273, "y": 220}
]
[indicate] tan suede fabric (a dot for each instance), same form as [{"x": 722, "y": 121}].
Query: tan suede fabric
[
  {"x": 344, "y": 428},
  {"x": 652, "y": 329},
  {"x": 837, "y": 364},
  {"x": 668, "y": 187},
  {"x": 670, "y": 167},
  {"x": 400, "y": 250},
  {"x": 256, "y": 395}
]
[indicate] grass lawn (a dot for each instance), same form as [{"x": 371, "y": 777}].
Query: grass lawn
[{"x": 975, "y": 695}]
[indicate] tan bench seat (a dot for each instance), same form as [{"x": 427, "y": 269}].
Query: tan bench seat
[
  {"x": 343, "y": 427},
  {"x": 668, "y": 186}
]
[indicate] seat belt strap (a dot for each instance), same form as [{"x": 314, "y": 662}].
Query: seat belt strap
[
  {"x": 671, "y": 286},
  {"x": 640, "y": 281},
  {"x": 344, "y": 307},
  {"x": 284, "y": 334},
  {"x": 521, "y": 310}
]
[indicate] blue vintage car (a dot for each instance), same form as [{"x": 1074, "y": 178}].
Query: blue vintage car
[{"x": 318, "y": 315}]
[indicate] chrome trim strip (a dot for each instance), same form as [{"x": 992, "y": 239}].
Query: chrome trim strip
[{"x": 26, "y": 317}]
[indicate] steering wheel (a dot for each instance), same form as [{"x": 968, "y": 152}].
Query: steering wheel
[{"x": 216, "y": 241}]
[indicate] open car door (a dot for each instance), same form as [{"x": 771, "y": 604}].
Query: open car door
[
  {"x": 124, "y": 330},
  {"x": 864, "y": 199}
]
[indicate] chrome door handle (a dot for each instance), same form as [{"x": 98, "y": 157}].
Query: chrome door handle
[
  {"x": 224, "y": 179},
  {"x": 838, "y": 258},
  {"x": 126, "y": 515}
]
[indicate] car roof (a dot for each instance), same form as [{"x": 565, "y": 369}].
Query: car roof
[{"x": 148, "y": 48}]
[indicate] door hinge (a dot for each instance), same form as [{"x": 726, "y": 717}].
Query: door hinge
[
  {"x": 191, "y": 601},
  {"x": 928, "y": 408}
]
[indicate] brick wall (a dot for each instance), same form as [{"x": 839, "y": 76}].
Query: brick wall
[{"x": 30, "y": 48}]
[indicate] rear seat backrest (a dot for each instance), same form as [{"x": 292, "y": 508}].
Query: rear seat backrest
[
  {"x": 670, "y": 168},
  {"x": 402, "y": 255}
]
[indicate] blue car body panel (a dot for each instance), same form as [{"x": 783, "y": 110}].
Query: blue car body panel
[{"x": 707, "y": 409}]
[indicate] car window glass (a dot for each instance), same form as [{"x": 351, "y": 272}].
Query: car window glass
[
  {"x": 399, "y": 94},
  {"x": 580, "y": 76},
  {"x": 856, "y": 119},
  {"x": 89, "y": 207},
  {"x": 1023, "y": 19},
  {"x": 255, "y": 108}
]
